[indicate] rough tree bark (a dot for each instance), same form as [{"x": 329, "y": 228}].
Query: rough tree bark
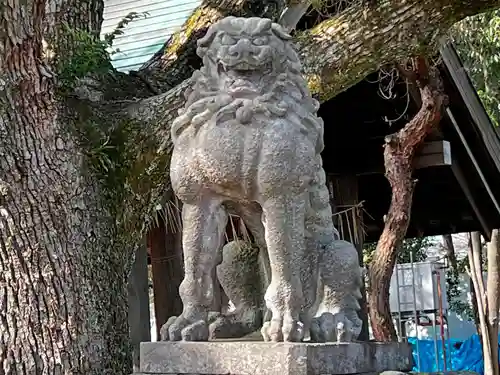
[
  {"x": 399, "y": 152},
  {"x": 177, "y": 59},
  {"x": 493, "y": 298},
  {"x": 450, "y": 252},
  {"x": 63, "y": 306},
  {"x": 337, "y": 53},
  {"x": 473, "y": 243},
  {"x": 488, "y": 299},
  {"x": 80, "y": 174}
]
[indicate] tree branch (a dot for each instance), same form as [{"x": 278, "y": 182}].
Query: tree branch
[
  {"x": 450, "y": 252},
  {"x": 336, "y": 54},
  {"x": 177, "y": 59},
  {"x": 341, "y": 51},
  {"x": 493, "y": 283},
  {"x": 399, "y": 153}
]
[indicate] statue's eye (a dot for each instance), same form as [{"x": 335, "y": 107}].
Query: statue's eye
[
  {"x": 228, "y": 40},
  {"x": 260, "y": 41}
]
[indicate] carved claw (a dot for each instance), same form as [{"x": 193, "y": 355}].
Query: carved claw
[
  {"x": 178, "y": 328},
  {"x": 164, "y": 336},
  {"x": 197, "y": 331},
  {"x": 332, "y": 328},
  {"x": 277, "y": 331},
  {"x": 235, "y": 324}
]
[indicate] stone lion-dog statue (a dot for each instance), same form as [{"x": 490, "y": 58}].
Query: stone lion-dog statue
[{"x": 248, "y": 142}]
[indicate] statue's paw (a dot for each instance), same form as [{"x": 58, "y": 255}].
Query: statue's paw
[
  {"x": 277, "y": 331},
  {"x": 223, "y": 328},
  {"x": 164, "y": 335},
  {"x": 197, "y": 331},
  {"x": 178, "y": 328},
  {"x": 322, "y": 329},
  {"x": 213, "y": 316},
  {"x": 264, "y": 331},
  {"x": 235, "y": 324},
  {"x": 331, "y": 328}
]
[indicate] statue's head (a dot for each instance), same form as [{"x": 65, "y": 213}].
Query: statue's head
[
  {"x": 250, "y": 66},
  {"x": 242, "y": 46}
]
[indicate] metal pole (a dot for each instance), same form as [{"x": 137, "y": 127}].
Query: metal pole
[
  {"x": 434, "y": 316},
  {"x": 448, "y": 334},
  {"x": 443, "y": 343},
  {"x": 400, "y": 327},
  {"x": 448, "y": 339},
  {"x": 434, "y": 336},
  {"x": 415, "y": 314}
]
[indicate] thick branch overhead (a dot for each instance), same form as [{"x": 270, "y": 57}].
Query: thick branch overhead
[
  {"x": 177, "y": 59},
  {"x": 343, "y": 50}
]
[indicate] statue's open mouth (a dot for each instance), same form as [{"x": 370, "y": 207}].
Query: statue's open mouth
[{"x": 244, "y": 69}]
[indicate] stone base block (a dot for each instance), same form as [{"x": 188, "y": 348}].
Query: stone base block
[{"x": 263, "y": 358}]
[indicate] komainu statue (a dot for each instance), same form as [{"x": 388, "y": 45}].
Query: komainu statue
[{"x": 248, "y": 142}]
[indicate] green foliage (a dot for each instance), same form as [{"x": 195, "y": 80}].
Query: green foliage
[
  {"x": 126, "y": 164},
  {"x": 417, "y": 246},
  {"x": 110, "y": 38},
  {"x": 87, "y": 55},
  {"x": 80, "y": 53},
  {"x": 477, "y": 40},
  {"x": 124, "y": 160},
  {"x": 462, "y": 308},
  {"x": 453, "y": 292}
]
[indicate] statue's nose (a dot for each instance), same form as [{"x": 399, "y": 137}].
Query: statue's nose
[{"x": 241, "y": 49}]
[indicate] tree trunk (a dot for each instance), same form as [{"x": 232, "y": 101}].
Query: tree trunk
[
  {"x": 473, "y": 293},
  {"x": 81, "y": 173},
  {"x": 63, "y": 290},
  {"x": 450, "y": 252},
  {"x": 399, "y": 153},
  {"x": 493, "y": 298},
  {"x": 488, "y": 300}
]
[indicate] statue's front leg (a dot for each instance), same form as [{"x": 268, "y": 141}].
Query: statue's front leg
[
  {"x": 283, "y": 219},
  {"x": 342, "y": 281},
  {"x": 203, "y": 230}
]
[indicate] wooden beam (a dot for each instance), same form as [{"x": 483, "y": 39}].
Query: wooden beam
[
  {"x": 480, "y": 119},
  {"x": 462, "y": 181},
  {"x": 345, "y": 194},
  {"x": 474, "y": 161},
  {"x": 167, "y": 268},
  {"x": 138, "y": 302},
  {"x": 432, "y": 154}
]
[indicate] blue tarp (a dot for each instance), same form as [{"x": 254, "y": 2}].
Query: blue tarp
[{"x": 460, "y": 355}]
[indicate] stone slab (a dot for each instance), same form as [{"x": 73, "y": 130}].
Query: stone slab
[{"x": 264, "y": 358}]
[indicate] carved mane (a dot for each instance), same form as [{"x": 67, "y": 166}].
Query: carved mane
[{"x": 206, "y": 101}]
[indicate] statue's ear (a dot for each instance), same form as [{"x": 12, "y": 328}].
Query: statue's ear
[
  {"x": 204, "y": 43},
  {"x": 280, "y": 32}
]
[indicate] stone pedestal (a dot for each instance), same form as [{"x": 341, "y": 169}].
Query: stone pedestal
[{"x": 262, "y": 358}]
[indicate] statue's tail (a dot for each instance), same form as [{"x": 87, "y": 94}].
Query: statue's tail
[
  {"x": 319, "y": 223},
  {"x": 342, "y": 279}
]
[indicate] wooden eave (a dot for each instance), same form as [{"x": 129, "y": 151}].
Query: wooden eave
[{"x": 457, "y": 169}]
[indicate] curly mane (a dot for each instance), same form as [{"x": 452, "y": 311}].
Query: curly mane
[{"x": 282, "y": 91}]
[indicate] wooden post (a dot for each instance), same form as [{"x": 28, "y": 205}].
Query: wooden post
[
  {"x": 138, "y": 303},
  {"x": 167, "y": 268},
  {"x": 345, "y": 195}
]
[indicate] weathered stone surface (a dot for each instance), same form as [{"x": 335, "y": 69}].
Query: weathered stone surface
[
  {"x": 430, "y": 373},
  {"x": 264, "y": 358},
  {"x": 249, "y": 141}
]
